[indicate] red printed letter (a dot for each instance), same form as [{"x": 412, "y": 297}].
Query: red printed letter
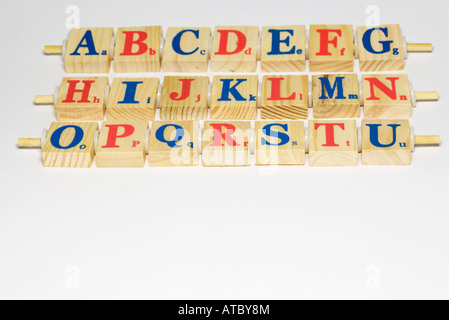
[
  {"x": 330, "y": 132},
  {"x": 276, "y": 90},
  {"x": 325, "y": 41},
  {"x": 72, "y": 90},
  {"x": 185, "y": 91},
  {"x": 219, "y": 136},
  {"x": 113, "y": 134},
  {"x": 224, "y": 39},
  {"x": 130, "y": 42},
  {"x": 392, "y": 93}
]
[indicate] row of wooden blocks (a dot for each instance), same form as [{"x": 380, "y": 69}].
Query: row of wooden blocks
[
  {"x": 329, "y": 48},
  {"x": 236, "y": 98},
  {"x": 221, "y": 144}
]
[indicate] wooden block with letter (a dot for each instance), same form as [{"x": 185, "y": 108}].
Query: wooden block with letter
[
  {"x": 285, "y": 97},
  {"x": 234, "y": 49},
  {"x": 234, "y": 97},
  {"x": 387, "y": 97},
  {"x": 280, "y": 143},
  {"x": 336, "y": 96},
  {"x": 380, "y": 48},
  {"x": 138, "y": 49},
  {"x": 226, "y": 144},
  {"x": 386, "y": 142},
  {"x": 331, "y": 48},
  {"x": 174, "y": 144},
  {"x": 133, "y": 99},
  {"x": 186, "y": 50},
  {"x": 89, "y": 50},
  {"x": 122, "y": 145},
  {"x": 185, "y": 98},
  {"x": 81, "y": 99},
  {"x": 70, "y": 145},
  {"x": 333, "y": 143},
  {"x": 283, "y": 49}
]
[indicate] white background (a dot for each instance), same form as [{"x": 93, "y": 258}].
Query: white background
[{"x": 201, "y": 233}]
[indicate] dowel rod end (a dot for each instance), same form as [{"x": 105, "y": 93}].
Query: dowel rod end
[
  {"x": 44, "y": 100},
  {"x": 419, "y": 47},
  {"x": 427, "y": 141},
  {"x": 52, "y": 50},
  {"x": 29, "y": 143},
  {"x": 427, "y": 96}
]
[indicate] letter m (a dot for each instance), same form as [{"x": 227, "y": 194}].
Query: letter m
[{"x": 330, "y": 90}]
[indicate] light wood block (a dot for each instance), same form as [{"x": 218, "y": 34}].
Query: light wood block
[
  {"x": 226, "y": 144},
  {"x": 234, "y": 97},
  {"x": 283, "y": 49},
  {"x": 133, "y": 99},
  {"x": 333, "y": 143},
  {"x": 122, "y": 145},
  {"x": 234, "y": 49},
  {"x": 89, "y": 50},
  {"x": 70, "y": 145},
  {"x": 81, "y": 99},
  {"x": 285, "y": 97},
  {"x": 138, "y": 49},
  {"x": 387, "y": 96},
  {"x": 174, "y": 144},
  {"x": 186, "y": 50},
  {"x": 280, "y": 143},
  {"x": 331, "y": 48},
  {"x": 336, "y": 96},
  {"x": 185, "y": 98},
  {"x": 380, "y": 49},
  {"x": 386, "y": 142}
]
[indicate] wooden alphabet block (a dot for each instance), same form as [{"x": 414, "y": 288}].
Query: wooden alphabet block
[
  {"x": 380, "y": 48},
  {"x": 186, "y": 50},
  {"x": 234, "y": 49},
  {"x": 386, "y": 142},
  {"x": 333, "y": 143},
  {"x": 185, "y": 98},
  {"x": 387, "y": 97},
  {"x": 283, "y": 49},
  {"x": 70, "y": 145},
  {"x": 234, "y": 97},
  {"x": 174, "y": 144},
  {"x": 89, "y": 50},
  {"x": 336, "y": 96},
  {"x": 122, "y": 145},
  {"x": 280, "y": 143},
  {"x": 285, "y": 97},
  {"x": 81, "y": 99},
  {"x": 331, "y": 48},
  {"x": 133, "y": 99},
  {"x": 138, "y": 49},
  {"x": 226, "y": 144}
]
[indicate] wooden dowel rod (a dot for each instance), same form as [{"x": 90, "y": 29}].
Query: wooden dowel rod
[
  {"x": 427, "y": 140},
  {"x": 53, "y": 49},
  {"x": 29, "y": 143},
  {"x": 419, "y": 47},
  {"x": 427, "y": 96},
  {"x": 41, "y": 100}
]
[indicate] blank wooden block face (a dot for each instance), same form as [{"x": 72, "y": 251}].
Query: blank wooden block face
[
  {"x": 234, "y": 49},
  {"x": 186, "y": 50},
  {"x": 283, "y": 49},
  {"x": 138, "y": 49},
  {"x": 234, "y": 97},
  {"x": 122, "y": 145},
  {"x": 331, "y": 48},
  {"x": 133, "y": 99},
  {"x": 280, "y": 143},
  {"x": 89, "y": 50},
  {"x": 285, "y": 97},
  {"x": 70, "y": 145},
  {"x": 333, "y": 143},
  {"x": 381, "y": 48},
  {"x": 336, "y": 96},
  {"x": 386, "y": 142},
  {"x": 81, "y": 99},
  {"x": 387, "y": 96},
  {"x": 226, "y": 144},
  {"x": 185, "y": 98},
  {"x": 174, "y": 144}
]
